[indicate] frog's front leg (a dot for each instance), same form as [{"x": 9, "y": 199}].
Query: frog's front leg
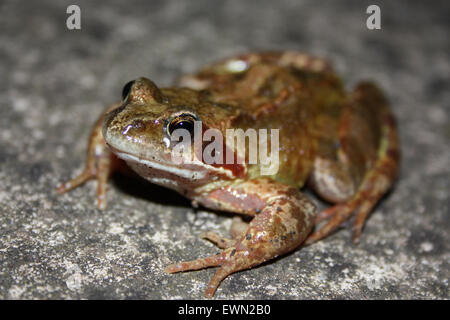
[
  {"x": 100, "y": 163},
  {"x": 283, "y": 218}
]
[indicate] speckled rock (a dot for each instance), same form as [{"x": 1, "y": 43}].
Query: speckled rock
[{"x": 55, "y": 82}]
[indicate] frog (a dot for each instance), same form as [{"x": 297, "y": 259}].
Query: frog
[{"x": 340, "y": 144}]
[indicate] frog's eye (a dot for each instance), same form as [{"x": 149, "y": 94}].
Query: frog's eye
[
  {"x": 183, "y": 121},
  {"x": 126, "y": 90}
]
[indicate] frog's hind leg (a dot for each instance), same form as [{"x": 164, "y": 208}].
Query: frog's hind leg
[
  {"x": 100, "y": 163},
  {"x": 380, "y": 173},
  {"x": 285, "y": 217}
]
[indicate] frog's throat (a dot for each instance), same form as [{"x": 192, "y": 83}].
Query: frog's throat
[{"x": 177, "y": 171}]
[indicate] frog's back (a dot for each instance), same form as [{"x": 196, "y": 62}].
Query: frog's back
[{"x": 304, "y": 105}]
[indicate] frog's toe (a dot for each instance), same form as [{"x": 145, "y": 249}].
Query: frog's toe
[
  {"x": 75, "y": 182},
  {"x": 220, "y": 241},
  {"x": 86, "y": 175},
  {"x": 230, "y": 260},
  {"x": 238, "y": 227},
  {"x": 223, "y": 272},
  {"x": 336, "y": 215},
  {"x": 327, "y": 213},
  {"x": 103, "y": 173},
  {"x": 200, "y": 263},
  {"x": 363, "y": 211}
]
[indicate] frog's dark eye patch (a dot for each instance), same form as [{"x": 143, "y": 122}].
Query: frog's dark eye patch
[
  {"x": 183, "y": 121},
  {"x": 126, "y": 90}
]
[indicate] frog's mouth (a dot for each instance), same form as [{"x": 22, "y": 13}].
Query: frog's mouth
[
  {"x": 166, "y": 174},
  {"x": 191, "y": 172}
]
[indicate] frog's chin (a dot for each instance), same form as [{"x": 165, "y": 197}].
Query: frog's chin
[
  {"x": 167, "y": 174},
  {"x": 164, "y": 167}
]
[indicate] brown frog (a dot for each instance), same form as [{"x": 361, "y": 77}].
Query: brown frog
[{"x": 341, "y": 145}]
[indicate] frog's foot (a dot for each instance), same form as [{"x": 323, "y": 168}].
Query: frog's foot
[
  {"x": 280, "y": 227},
  {"x": 371, "y": 191},
  {"x": 336, "y": 215},
  {"x": 99, "y": 168},
  {"x": 220, "y": 259}
]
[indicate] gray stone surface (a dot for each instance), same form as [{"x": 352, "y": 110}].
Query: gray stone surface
[{"x": 55, "y": 82}]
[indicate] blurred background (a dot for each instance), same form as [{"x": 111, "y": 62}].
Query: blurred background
[{"x": 55, "y": 82}]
